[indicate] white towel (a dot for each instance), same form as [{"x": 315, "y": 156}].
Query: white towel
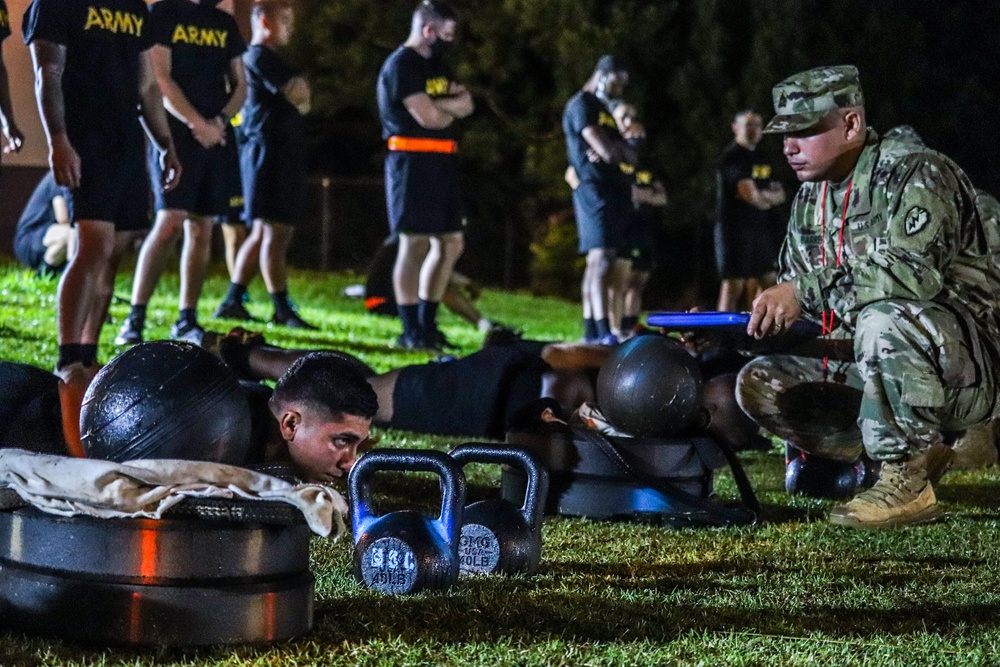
[{"x": 147, "y": 488}]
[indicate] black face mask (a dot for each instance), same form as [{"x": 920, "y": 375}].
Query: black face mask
[
  {"x": 209, "y": 3},
  {"x": 636, "y": 142},
  {"x": 440, "y": 48}
]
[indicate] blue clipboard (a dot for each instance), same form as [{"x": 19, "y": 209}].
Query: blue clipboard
[{"x": 684, "y": 321}]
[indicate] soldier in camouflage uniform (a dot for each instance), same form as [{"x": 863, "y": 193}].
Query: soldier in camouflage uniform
[{"x": 909, "y": 276}]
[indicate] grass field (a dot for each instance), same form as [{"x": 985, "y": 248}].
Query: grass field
[{"x": 793, "y": 591}]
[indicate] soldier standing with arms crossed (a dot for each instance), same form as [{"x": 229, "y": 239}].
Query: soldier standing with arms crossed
[{"x": 418, "y": 105}]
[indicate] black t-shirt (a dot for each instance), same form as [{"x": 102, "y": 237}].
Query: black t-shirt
[
  {"x": 583, "y": 110},
  {"x": 36, "y": 219},
  {"x": 4, "y": 22},
  {"x": 202, "y": 42},
  {"x": 267, "y": 115},
  {"x": 405, "y": 72},
  {"x": 104, "y": 40},
  {"x": 738, "y": 163}
]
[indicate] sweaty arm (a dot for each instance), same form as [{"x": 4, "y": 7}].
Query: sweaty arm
[
  {"x": 427, "y": 113},
  {"x": 610, "y": 151},
  {"x": 458, "y": 102},
  {"x": 575, "y": 356},
  {"x": 238, "y": 85},
  {"x": 154, "y": 119},
  {"x": 177, "y": 104},
  {"x": 49, "y": 61}
]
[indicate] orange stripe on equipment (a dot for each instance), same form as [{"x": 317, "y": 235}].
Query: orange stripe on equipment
[
  {"x": 373, "y": 302},
  {"x": 422, "y": 145}
]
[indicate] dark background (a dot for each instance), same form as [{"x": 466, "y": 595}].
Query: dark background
[{"x": 929, "y": 64}]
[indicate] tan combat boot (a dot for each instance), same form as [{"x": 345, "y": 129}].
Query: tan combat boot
[{"x": 901, "y": 496}]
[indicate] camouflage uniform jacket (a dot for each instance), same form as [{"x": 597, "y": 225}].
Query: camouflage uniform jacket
[{"x": 913, "y": 233}]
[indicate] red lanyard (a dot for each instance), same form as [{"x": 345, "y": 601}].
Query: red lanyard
[{"x": 828, "y": 323}]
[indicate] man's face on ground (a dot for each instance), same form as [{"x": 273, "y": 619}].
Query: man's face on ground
[
  {"x": 814, "y": 152},
  {"x": 747, "y": 129},
  {"x": 323, "y": 446}
]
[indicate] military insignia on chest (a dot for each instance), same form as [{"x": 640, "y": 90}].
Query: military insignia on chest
[{"x": 916, "y": 219}]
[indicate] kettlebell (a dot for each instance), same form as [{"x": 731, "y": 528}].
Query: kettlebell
[
  {"x": 820, "y": 477},
  {"x": 404, "y": 552},
  {"x": 497, "y": 536}
]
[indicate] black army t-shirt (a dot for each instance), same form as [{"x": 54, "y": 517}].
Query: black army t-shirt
[
  {"x": 202, "y": 40},
  {"x": 104, "y": 40},
  {"x": 267, "y": 115},
  {"x": 4, "y": 22},
  {"x": 583, "y": 110},
  {"x": 405, "y": 72},
  {"x": 736, "y": 164}
]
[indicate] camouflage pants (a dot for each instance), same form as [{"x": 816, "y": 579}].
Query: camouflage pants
[{"x": 919, "y": 372}]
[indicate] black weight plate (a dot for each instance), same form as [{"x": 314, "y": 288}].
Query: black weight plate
[
  {"x": 676, "y": 457},
  {"x": 101, "y": 613},
  {"x": 602, "y": 498},
  {"x": 150, "y": 550},
  {"x": 243, "y": 511}
]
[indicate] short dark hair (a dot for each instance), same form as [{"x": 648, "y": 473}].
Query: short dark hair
[
  {"x": 326, "y": 380},
  {"x": 429, "y": 11},
  {"x": 269, "y": 8}
]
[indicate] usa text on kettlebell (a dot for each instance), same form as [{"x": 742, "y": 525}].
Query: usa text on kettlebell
[{"x": 497, "y": 536}]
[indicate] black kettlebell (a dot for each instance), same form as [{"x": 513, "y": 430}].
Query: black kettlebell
[
  {"x": 497, "y": 536},
  {"x": 820, "y": 477},
  {"x": 406, "y": 552}
]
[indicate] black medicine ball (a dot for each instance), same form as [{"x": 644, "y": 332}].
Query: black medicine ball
[
  {"x": 649, "y": 387},
  {"x": 166, "y": 400}
]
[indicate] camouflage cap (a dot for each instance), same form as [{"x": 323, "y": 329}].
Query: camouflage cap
[{"x": 803, "y": 99}]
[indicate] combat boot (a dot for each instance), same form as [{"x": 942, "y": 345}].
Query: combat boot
[{"x": 902, "y": 495}]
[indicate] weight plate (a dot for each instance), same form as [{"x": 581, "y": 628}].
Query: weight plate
[
  {"x": 389, "y": 565},
  {"x": 152, "y": 551},
  {"x": 103, "y": 613},
  {"x": 478, "y": 550}
]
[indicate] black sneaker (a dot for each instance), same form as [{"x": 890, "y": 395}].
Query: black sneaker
[
  {"x": 436, "y": 340},
  {"x": 129, "y": 334},
  {"x": 191, "y": 333},
  {"x": 228, "y": 310},
  {"x": 293, "y": 321},
  {"x": 410, "y": 342}
]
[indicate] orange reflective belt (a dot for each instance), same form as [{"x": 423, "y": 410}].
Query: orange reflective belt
[{"x": 422, "y": 145}]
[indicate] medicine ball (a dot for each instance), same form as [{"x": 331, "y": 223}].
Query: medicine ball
[
  {"x": 650, "y": 386},
  {"x": 166, "y": 400},
  {"x": 819, "y": 477}
]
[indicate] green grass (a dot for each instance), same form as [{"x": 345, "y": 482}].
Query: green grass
[{"x": 794, "y": 591}]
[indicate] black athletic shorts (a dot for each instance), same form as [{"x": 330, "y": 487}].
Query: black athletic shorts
[
  {"x": 423, "y": 193},
  {"x": 602, "y": 210},
  {"x": 473, "y": 396},
  {"x": 638, "y": 243},
  {"x": 209, "y": 175},
  {"x": 275, "y": 187},
  {"x": 114, "y": 186},
  {"x": 744, "y": 251}
]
